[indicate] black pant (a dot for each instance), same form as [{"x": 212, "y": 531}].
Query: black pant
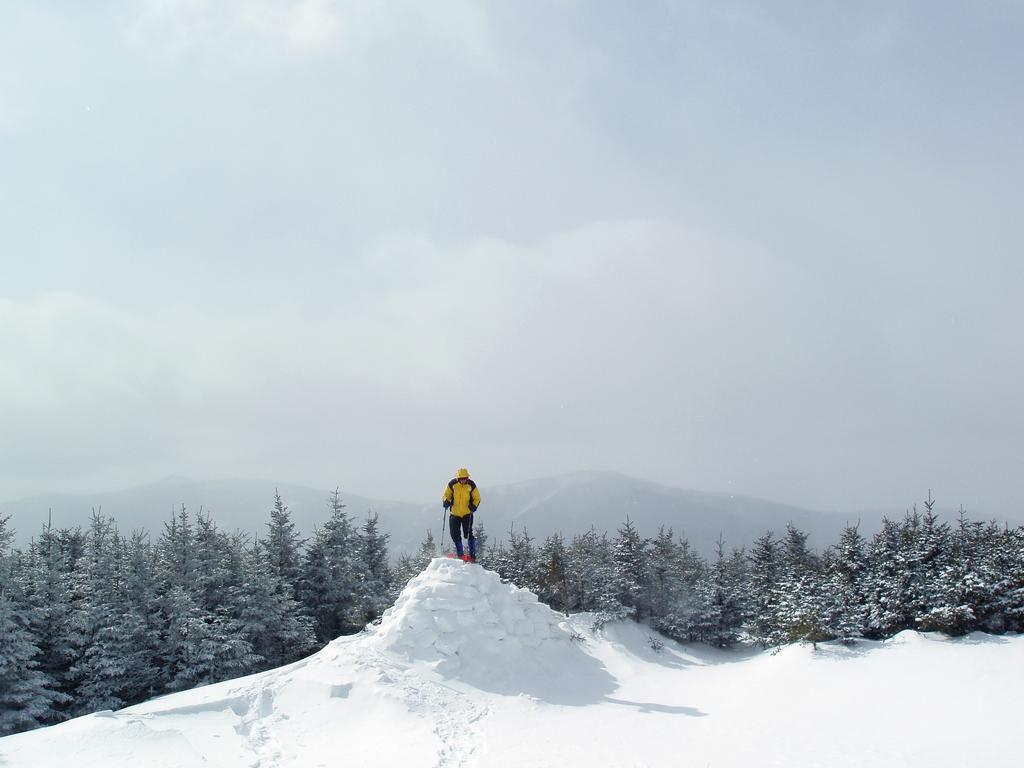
[{"x": 459, "y": 527}]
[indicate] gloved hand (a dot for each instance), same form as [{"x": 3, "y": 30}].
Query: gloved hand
[{"x": 447, "y": 504}]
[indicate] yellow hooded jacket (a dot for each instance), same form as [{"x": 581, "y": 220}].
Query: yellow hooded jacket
[{"x": 464, "y": 498}]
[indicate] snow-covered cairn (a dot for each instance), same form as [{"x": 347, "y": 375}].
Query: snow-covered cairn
[{"x": 473, "y": 626}]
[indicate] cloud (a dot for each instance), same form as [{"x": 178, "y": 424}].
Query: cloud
[
  {"x": 313, "y": 25},
  {"x": 509, "y": 335},
  {"x": 175, "y": 27},
  {"x": 305, "y": 27},
  {"x": 13, "y": 105},
  {"x": 639, "y": 345}
]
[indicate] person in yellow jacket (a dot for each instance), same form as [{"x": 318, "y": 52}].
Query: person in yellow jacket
[{"x": 461, "y": 499}]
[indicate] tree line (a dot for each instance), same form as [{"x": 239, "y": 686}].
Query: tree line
[
  {"x": 917, "y": 573},
  {"x": 93, "y": 619}
]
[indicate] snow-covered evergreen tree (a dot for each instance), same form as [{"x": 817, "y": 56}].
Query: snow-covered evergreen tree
[
  {"x": 410, "y": 566},
  {"x": 1007, "y": 564},
  {"x": 327, "y": 588},
  {"x": 888, "y": 582},
  {"x": 628, "y": 556},
  {"x": 269, "y": 617},
  {"x": 673, "y": 570},
  {"x": 905, "y": 580},
  {"x": 427, "y": 551},
  {"x": 218, "y": 567},
  {"x": 44, "y": 587},
  {"x": 763, "y": 589},
  {"x": 97, "y": 672},
  {"x": 963, "y": 595},
  {"x": 516, "y": 561},
  {"x": 176, "y": 556},
  {"x": 551, "y": 572},
  {"x": 28, "y": 696},
  {"x": 590, "y": 575},
  {"x": 373, "y": 592},
  {"x": 718, "y": 616},
  {"x": 928, "y": 544},
  {"x": 1003, "y": 569},
  {"x": 141, "y": 622},
  {"x": 201, "y": 648},
  {"x": 6, "y": 535},
  {"x": 800, "y": 606},
  {"x": 283, "y": 545},
  {"x": 482, "y": 544},
  {"x": 202, "y": 638},
  {"x": 843, "y": 586}
]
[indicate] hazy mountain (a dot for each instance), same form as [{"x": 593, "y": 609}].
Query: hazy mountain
[
  {"x": 603, "y": 500},
  {"x": 570, "y": 503},
  {"x": 234, "y": 504}
]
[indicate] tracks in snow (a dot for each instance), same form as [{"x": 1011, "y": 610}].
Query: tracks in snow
[
  {"x": 256, "y": 729},
  {"x": 455, "y": 715}
]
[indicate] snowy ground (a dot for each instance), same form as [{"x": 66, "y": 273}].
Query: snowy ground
[{"x": 467, "y": 671}]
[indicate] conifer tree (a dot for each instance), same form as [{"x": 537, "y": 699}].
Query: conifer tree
[
  {"x": 844, "y": 599},
  {"x": 1006, "y": 562},
  {"x": 45, "y": 594},
  {"x": 590, "y": 575},
  {"x": 664, "y": 571},
  {"x": 217, "y": 566},
  {"x": 373, "y": 575},
  {"x": 202, "y": 648},
  {"x": 72, "y": 544},
  {"x": 1002, "y": 567},
  {"x": 329, "y": 575},
  {"x": 927, "y": 559},
  {"x": 176, "y": 556},
  {"x": 283, "y": 545},
  {"x": 517, "y": 562},
  {"x": 428, "y": 550},
  {"x": 907, "y": 561},
  {"x": 482, "y": 549},
  {"x": 270, "y": 619},
  {"x": 763, "y": 595},
  {"x": 800, "y": 610},
  {"x": 888, "y": 601},
  {"x": 201, "y": 638},
  {"x": 551, "y": 572},
  {"x": 674, "y": 571},
  {"x": 410, "y": 566},
  {"x": 6, "y": 535},
  {"x": 141, "y": 621},
  {"x": 962, "y": 597},
  {"x": 97, "y": 672},
  {"x": 630, "y": 570},
  {"x": 28, "y": 696},
  {"x": 719, "y": 616}
]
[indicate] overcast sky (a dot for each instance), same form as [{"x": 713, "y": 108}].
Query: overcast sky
[{"x": 766, "y": 248}]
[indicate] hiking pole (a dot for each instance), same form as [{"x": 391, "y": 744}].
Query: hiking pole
[{"x": 444, "y": 514}]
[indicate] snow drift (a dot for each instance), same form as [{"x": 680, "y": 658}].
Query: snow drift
[{"x": 467, "y": 671}]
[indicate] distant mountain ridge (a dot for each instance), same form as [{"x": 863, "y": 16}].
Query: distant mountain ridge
[{"x": 570, "y": 503}]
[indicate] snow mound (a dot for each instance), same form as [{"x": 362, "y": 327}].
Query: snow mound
[
  {"x": 467, "y": 623},
  {"x": 454, "y": 609}
]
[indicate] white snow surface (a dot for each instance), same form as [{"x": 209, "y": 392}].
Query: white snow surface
[{"x": 465, "y": 670}]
